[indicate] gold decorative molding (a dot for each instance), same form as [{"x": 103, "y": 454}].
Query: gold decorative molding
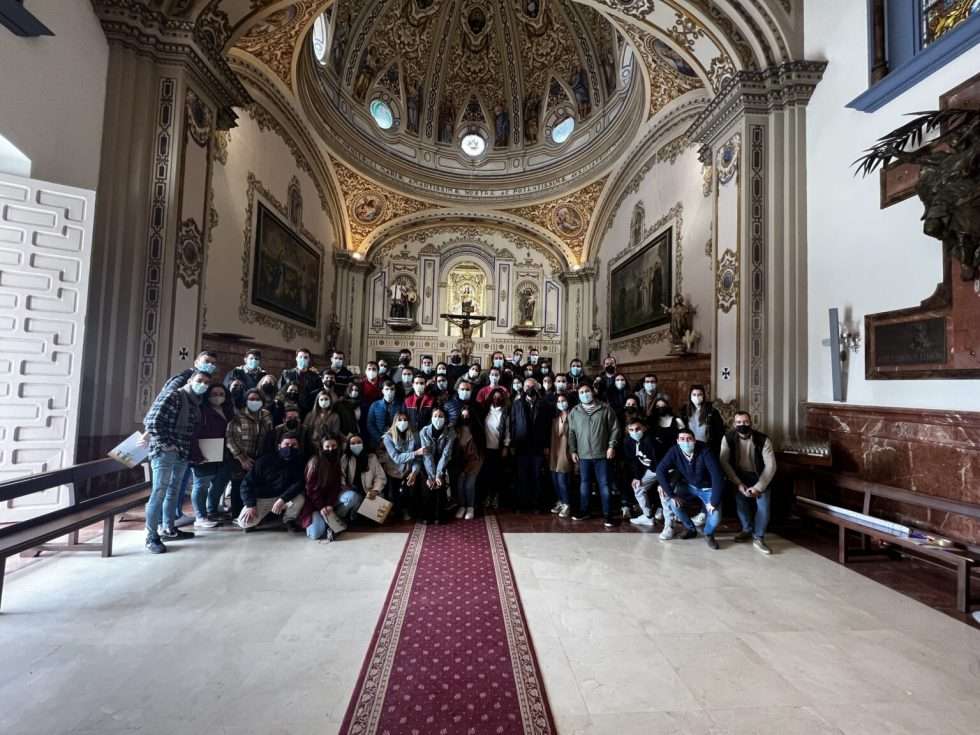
[
  {"x": 274, "y": 38},
  {"x": 567, "y": 217},
  {"x": 666, "y": 83}
]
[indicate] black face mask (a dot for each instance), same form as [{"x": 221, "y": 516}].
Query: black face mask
[
  {"x": 292, "y": 424},
  {"x": 288, "y": 453},
  {"x": 404, "y": 360},
  {"x": 330, "y": 453},
  {"x": 455, "y": 359},
  {"x": 269, "y": 389},
  {"x": 744, "y": 430},
  {"x": 610, "y": 370}
]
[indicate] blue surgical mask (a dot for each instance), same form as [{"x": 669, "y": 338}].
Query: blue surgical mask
[
  {"x": 302, "y": 362},
  {"x": 251, "y": 363},
  {"x": 464, "y": 395},
  {"x": 686, "y": 447},
  {"x": 636, "y": 435},
  {"x": 205, "y": 367},
  {"x": 356, "y": 449},
  {"x": 389, "y": 394},
  {"x": 576, "y": 371},
  {"x": 438, "y": 422},
  {"x": 253, "y": 406},
  {"x": 498, "y": 363},
  {"x": 563, "y": 406},
  {"x": 585, "y": 398},
  {"x": 649, "y": 387},
  {"x": 199, "y": 388}
]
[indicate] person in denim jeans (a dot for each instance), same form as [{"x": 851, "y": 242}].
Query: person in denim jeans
[
  {"x": 559, "y": 459},
  {"x": 210, "y": 478},
  {"x": 171, "y": 425},
  {"x": 593, "y": 434},
  {"x": 699, "y": 476},
  {"x": 748, "y": 459}
]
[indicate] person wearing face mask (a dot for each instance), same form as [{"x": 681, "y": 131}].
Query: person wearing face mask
[
  {"x": 608, "y": 374},
  {"x": 329, "y": 380},
  {"x": 617, "y": 393},
  {"x": 270, "y": 402},
  {"x": 361, "y": 475},
  {"x": 383, "y": 370},
  {"x": 516, "y": 387},
  {"x": 516, "y": 362},
  {"x": 322, "y": 492},
  {"x": 171, "y": 426},
  {"x": 544, "y": 369},
  {"x": 699, "y": 478},
  {"x": 354, "y": 403},
  {"x": 250, "y": 372},
  {"x": 703, "y": 419},
  {"x": 530, "y": 439},
  {"x": 455, "y": 369},
  {"x": 496, "y": 431},
  {"x": 426, "y": 369},
  {"x": 419, "y": 404},
  {"x": 322, "y": 422},
  {"x": 209, "y": 476},
  {"x": 647, "y": 393},
  {"x": 475, "y": 377},
  {"x": 631, "y": 411},
  {"x": 289, "y": 398},
  {"x": 576, "y": 376},
  {"x": 562, "y": 386},
  {"x": 404, "y": 388},
  {"x": 381, "y": 415},
  {"x": 534, "y": 360},
  {"x": 291, "y": 424},
  {"x": 343, "y": 375},
  {"x": 464, "y": 416},
  {"x": 498, "y": 361},
  {"x": 248, "y": 433},
  {"x": 308, "y": 380},
  {"x": 559, "y": 458},
  {"x": 493, "y": 384},
  {"x": 640, "y": 452},
  {"x": 402, "y": 462},
  {"x": 274, "y": 485},
  {"x": 439, "y": 389},
  {"x": 548, "y": 388},
  {"x": 593, "y": 435},
  {"x": 748, "y": 459},
  {"x": 438, "y": 440},
  {"x": 370, "y": 384}
]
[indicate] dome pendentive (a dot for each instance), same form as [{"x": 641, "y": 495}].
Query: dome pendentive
[{"x": 515, "y": 99}]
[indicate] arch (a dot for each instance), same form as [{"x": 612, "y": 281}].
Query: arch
[{"x": 13, "y": 160}]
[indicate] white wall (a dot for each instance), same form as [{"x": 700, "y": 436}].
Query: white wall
[
  {"x": 264, "y": 154},
  {"x": 863, "y": 259},
  {"x": 661, "y": 189},
  {"x": 52, "y": 92}
]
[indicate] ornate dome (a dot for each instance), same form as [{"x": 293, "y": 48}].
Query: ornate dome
[{"x": 507, "y": 100}]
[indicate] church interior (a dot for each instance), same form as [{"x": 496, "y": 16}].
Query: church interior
[{"x": 699, "y": 277}]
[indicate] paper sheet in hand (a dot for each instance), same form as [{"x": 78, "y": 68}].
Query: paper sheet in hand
[
  {"x": 377, "y": 510},
  {"x": 129, "y": 452},
  {"x": 212, "y": 449},
  {"x": 336, "y": 525}
]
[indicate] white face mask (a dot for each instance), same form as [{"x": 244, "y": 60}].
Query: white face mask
[
  {"x": 697, "y": 400},
  {"x": 419, "y": 389},
  {"x": 562, "y": 406},
  {"x": 438, "y": 422},
  {"x": 406, "y": 379},
  {"x": 620, "y": 384},
  {"x": 464, "y": 395},
  {"x": 372, "y": 374},
  {"x": 382, "y": 369},
  {"x": 474, "y": 373},
  {"x": 324, "y": 403},
  {"x": 388, "y": 394},
  {"x": 336, "y": 364},
  {"x": 402, "y": 426},
  {"x": 561, "y": 385},
  {"x": 216, "y": 400},
  {"x": 533, "y": 359},
  {"x": 356, "y": 449},
  {"x": 494, "y": 379},
  {"x": 649, "y": 387}
]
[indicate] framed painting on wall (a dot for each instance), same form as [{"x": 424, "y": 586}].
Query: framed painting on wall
[
  {"x": 641, "y": 288},
  {"x": 285, "y": 271}
]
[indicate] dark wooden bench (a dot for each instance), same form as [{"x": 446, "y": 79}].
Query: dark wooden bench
[
  {"x": 35, "y": 534},
  {"x": 963, "y": 558}
]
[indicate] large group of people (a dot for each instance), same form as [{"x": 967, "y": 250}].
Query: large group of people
[{"x": 445, "y": 439}]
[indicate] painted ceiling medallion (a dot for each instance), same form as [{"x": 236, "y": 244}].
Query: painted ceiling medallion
[
  {"x": 567, "y": 220},
  {"x": 369, "y": 208}
]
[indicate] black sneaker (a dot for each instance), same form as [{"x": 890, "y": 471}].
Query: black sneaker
[
  {"x": 581, "y": 517},
  {"x": 155, "y": 546},
  {"x": 712, "y": 544},
  {"x": 743, "y": 536},
  {"x": 689, "y": 533},
  {"x": 175, "y": 534}
]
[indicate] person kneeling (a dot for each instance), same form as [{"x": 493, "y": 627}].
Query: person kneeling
[
  {"x": 699, "y": 476},
  {"x": 274, "y": 485},
  {"x": 321, "y": 515}
]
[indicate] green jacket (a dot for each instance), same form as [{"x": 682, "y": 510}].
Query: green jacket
[{"x": 590, "y": 436}]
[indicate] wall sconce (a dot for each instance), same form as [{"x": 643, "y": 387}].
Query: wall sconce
[{"x": 850, "y": 340}]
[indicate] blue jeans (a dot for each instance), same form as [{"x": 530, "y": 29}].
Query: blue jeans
[
  {"x": 560, "y": 479},
  {"x": 185, "y": 483},
  {"x": 753, "y": 513},
  {"x": 210, "y": 479},
  {"x": 683, "y": 492},
  {"x": 600, "y": 469},
  {"x": 466, "y": 489},
  {"x": 528, "y": 490},
  {"x": 168, "y": 474},
  {"x": 347, "y": 505}
]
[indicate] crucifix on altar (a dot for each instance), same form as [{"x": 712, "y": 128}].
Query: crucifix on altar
[{"x": 467, "y": 323}]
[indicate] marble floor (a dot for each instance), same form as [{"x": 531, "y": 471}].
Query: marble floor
[{"x": 265, "y": 634}]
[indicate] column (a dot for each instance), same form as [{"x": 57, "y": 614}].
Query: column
[
  {"x": 353, "y": 305},
  {"x": 579, "y": 314}
]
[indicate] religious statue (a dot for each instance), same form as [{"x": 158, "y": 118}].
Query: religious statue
[
  {"x": 333, "y": 332},
  {"x": 412, "y": 104},
  {"x": 403, "y": 300},
  {"x": 595, "y": 345},
  {"x": 581, "y": 89},
  {"x": 949, "y": 178},
  {"x": 681, "y": 322},
  {"x": 501, "y": 126},
  {"x": 467, "y": 323},
  {"x": 526, "y": 306}
]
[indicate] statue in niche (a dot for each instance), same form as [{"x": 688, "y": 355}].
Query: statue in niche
[
  {"x": 404, "y": 299},
  {"x": 365, "y": 74},
  {"x": 609, "y": 69},
  {"x": 681, "y": 322},
  {"x": 949, "y": 178},
  {"x": 412, "y": 106},
  {"x": 526, "y": 305},
  {"x": 532, "y": 110},
  {"x": 447, "y": 122},
  {"x": 501, "y": 126},
  {"x": 595, "y": 345},
  {"x": 581, "y": 89}
]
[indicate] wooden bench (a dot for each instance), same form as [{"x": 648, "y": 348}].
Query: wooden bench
[
  {"x": 962, "y": 560},
  {"x": 33, "y": 535}
]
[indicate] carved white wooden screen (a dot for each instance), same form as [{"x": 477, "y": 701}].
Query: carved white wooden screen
[{"x": 45, "y": 254}]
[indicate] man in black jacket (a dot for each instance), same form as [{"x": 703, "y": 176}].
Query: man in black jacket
[
  {"x": 699, "y": 477},
  {"x": 250, "y": 372},
  {"x": 274, "y": 485},
  {"x": 342, "y": 374},
  {"x": 530, "y": 438},
  {"x": 305, "y": 377},
  {"x": 640, "y": 450}
]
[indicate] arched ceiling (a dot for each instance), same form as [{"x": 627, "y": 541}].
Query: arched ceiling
[{"x": 664, "y": 50}]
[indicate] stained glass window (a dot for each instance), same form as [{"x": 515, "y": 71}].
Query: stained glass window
[
  {"x": 382, "y": 115},
  {"x": 473, "y": 144},
  {"x": 320, "y": 39},
  {"x": 939, "y": 17},
  {"x": 562, "y": 130}
]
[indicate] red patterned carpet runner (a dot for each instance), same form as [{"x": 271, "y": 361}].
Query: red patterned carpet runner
[{"x": 451, "y": 653}]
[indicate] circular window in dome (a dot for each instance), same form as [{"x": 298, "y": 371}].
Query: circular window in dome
[
  {"x": 563, "y": 130},
  {"x": 473, "y": 144},
  {"x": 381, "y": 113},
  {"x": 320, "y": 39}
]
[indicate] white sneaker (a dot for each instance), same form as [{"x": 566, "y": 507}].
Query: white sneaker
[
  {"x": 659, "y": 515},
  {"x": 470, "y": 514},
  {"x": 566, "y": 511},
  {"x": 699, "y": 519},
  {"x": 461, "y": 512},
  {"x": 667, "y": 534},
  {"x": 183, "y": 520},
  {"x": 205, "y": 523},
  {"x": 642, "y": 520},
  {"x": 557, "y": 509}
]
